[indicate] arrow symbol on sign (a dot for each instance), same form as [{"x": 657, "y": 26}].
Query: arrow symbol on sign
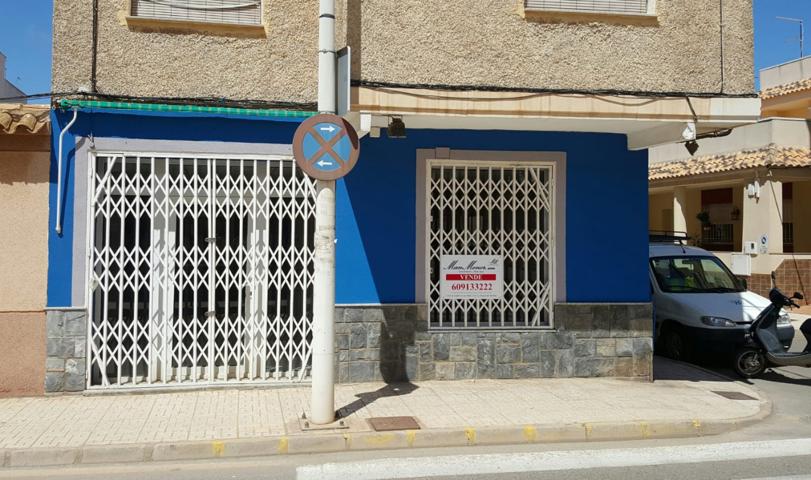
[
  {"x": 322, "y": 163},
  {"x": 329, "y": 129}
]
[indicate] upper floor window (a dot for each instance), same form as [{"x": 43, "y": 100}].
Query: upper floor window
[
  {"x": 617, "y": 7},
  {"x": 238, "y": 12}
]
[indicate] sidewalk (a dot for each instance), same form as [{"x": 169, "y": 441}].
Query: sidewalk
[{"x": 250, "y": 422}]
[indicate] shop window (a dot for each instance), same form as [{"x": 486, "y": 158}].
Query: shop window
[{"x": 485, "y": 210}]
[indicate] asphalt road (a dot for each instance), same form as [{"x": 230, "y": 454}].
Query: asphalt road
[
  {"x": 622, "y": 461},
  {"x": 757, "y": 452},
  {"x": 788, "y": 387}
]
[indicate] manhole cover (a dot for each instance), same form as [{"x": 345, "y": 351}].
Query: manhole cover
[
  {"x": 735, "y": 395},
  {"x": 387, "y": 424}
]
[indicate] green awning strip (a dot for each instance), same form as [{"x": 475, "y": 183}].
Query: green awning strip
[{"x": 159, "y": 107}]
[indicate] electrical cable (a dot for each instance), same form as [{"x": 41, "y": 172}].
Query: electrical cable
[
  {"x": 793, "y": 257},
  {"x": 94, "y": 53},
  {"x": 550, "y": 91},
  {"x": 692, "y": 110},
  {"x": 721, "y": 34},
  {"x": 35, "y": 96},
  {"x": 714, "y": 134},
  {"x": 203, "y": 101}
]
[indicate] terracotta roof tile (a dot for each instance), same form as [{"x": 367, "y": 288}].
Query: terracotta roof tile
[
  {"x": 24, "y": 119},
  {"x": 794, "y": 87},
  {"x": 769, "y": 156}
]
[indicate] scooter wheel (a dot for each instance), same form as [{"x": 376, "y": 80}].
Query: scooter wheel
[{"x": 749, "y": 362}]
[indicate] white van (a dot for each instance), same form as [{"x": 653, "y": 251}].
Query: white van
[{"x": 699, "y": 304}]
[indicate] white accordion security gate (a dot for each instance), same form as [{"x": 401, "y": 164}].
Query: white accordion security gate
[
  {"x": 200, "y": 270},
  {"x": 492, "y": 208}
]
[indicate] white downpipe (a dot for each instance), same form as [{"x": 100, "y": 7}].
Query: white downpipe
[
  {"x": 326, "y": 57},
  {"x": 59, "y": 172},
  {"x": 323, "y": 356}
]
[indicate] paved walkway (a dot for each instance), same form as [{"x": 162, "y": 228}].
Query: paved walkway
[{"x": 685, "y": 394}]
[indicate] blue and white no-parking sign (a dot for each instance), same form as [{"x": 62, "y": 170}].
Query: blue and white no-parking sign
[{"x": 326, "y": 147}]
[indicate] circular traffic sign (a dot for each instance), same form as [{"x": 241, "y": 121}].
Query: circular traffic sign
[{"x": 326, "y": 147}]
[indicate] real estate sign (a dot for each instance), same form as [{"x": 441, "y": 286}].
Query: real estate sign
[{"x": 471, "y": 276}]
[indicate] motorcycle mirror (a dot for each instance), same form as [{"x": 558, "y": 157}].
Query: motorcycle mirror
[{"x": 798, "y": 295}]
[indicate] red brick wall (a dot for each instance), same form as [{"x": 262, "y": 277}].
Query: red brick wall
[{"x": 788, "y": 279}]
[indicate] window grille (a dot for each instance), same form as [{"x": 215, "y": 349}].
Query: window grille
[
  {"x": 478, "y": 208},
  {"x": 240, "y": 12},
  {"x": 788, "y": 233},
  {"x": 590, "y": 6},
  {"x": 717, "y": 233},
  {"x": 200, "y": 270}
]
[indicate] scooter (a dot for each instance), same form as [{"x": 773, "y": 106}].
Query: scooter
[{"x": 762, "y": 349}]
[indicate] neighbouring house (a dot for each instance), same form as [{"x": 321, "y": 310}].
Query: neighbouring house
[
  {"x": 7, "y": 89},
  {"x": 25, "y": 146},
  {"x": 747, "y": 196},
  {"x": 182, "y": 241}
]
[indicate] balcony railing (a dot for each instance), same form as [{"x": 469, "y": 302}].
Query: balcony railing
[{"x": 718, "y": 236}]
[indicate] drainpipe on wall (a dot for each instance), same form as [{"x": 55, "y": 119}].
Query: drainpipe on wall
[
  {"x": 59, "y": 172},
  {"x": 323, "y": 349}
]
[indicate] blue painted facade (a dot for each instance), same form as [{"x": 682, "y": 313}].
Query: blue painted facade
[{"x": 605, "y": 212}]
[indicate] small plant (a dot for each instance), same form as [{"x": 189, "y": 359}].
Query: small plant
[{"x": 704, "y": 217}]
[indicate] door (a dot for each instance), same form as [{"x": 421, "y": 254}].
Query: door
[{"x": 200, "y": 270}]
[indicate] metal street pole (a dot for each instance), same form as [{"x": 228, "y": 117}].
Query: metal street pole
[{"x": 323, "y": 357}]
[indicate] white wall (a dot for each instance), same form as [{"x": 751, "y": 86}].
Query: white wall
[{"x": 783, "y": 132}]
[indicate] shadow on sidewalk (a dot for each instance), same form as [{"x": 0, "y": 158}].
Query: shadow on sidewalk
[
  {"x": 778, "y": 377},
  {"x": 702, "y": 368},
  {"x": 367, "y": 398},
  {"x": 667, "y": 369}
]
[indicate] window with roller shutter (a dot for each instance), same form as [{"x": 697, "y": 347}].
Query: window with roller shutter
[
  {"x": 235, "y": 12},
  {"x": 617, "y": 7}
]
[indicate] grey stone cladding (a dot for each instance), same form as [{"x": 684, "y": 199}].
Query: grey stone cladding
[
  {"x": 392, "y": 343},
  {"x": 65, "y": 362}
]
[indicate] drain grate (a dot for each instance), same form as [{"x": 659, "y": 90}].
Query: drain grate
[
  {"x": 388, "y": 424},
  {"x": 734, "y": 395}
]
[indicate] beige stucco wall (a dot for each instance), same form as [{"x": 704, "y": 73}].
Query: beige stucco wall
[
  {"x": 22, "y": 343},
  {"x": 472, "y": 42},
  {"x": 693, "y": 208},
  {"x": 24, "y": 236},
  {"x": 279, "y": 67},
  {"x": 23, "y": 263},
  {"x": 660, "y": 205}
]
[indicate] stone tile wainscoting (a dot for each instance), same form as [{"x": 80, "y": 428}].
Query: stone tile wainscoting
[
  {"x": 392, "y": 343},
  {"x": 65, "y": 362}
]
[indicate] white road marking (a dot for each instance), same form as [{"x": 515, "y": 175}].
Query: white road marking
[
  {"x": 790, "y": 477},
  {"x": 465, "y": 465}
]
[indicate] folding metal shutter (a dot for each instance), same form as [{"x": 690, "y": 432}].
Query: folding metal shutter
[
  {"x": 243, "y": 12},
  {"x": 480, "y": 208},
  {"x": 600, "y": 6},
  {"x": 201, "y": 270}
]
